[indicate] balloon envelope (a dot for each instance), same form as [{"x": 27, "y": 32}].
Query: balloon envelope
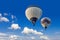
[
  {"x": 45, "y": 22},
  {"x": 33, "y": 12}
]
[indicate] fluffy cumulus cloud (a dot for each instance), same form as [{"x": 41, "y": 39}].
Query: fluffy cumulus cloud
[
  {"x": 35, "y": 34},
  {"x": 26, "y": 30},
  {"x": 3, "y": 19},
  {"x": 14, "y": 26}
]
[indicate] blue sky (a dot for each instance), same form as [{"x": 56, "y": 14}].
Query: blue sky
[{"x": 16, "y": 8}]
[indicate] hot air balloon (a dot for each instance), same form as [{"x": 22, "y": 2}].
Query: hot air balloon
[
  {"x": 45, "y": 22},
  {"x": 33, "y": 13}
]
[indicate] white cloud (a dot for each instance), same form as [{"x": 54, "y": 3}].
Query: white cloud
[
  {"x": 44, "y": 37},
  {"x": 13, "y": 37},
  {"x": 12, "y": 16},
  {"x": 33, "y": 38},
  {"x": 4, "y": 19},
  {"x": 14, "y": 26},
  {"x": 6, "y": 36},
  {"x": 29, "y": 31},
  {"x": 3, "y": 34},
  {"x": 35, "y": 34}
]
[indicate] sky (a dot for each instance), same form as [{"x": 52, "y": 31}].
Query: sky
[{"x": 15, "y": 26}]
